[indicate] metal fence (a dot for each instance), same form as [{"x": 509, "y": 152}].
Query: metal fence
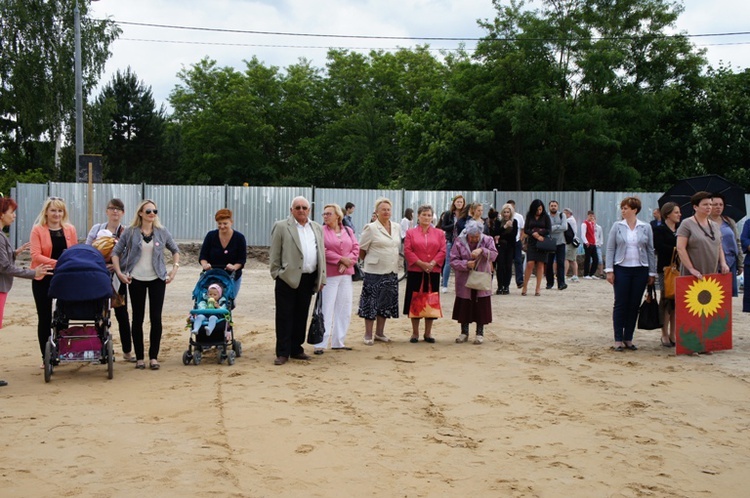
[{"x": 187, "y": 211}]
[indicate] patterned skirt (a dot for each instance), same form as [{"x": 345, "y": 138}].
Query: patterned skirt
[{"x": 379, "y": 296}]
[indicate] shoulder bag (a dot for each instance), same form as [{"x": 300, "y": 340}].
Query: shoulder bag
[
  {"x": 547, "y": 244},
  {"x": 649, "y": 317},
  {"x": 425, "y": 304},
  {"x": 671, "y": 273},
  {"x": 479, "y": 280},
  {"x": 317, "y": 326}
]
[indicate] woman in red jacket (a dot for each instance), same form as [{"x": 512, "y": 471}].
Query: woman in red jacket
[
  {"x": 424, "y": 250},
  {"x": 51, "y": 235}
]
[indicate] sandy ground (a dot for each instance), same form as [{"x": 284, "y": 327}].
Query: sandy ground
[{"x": 543, "y": 408}]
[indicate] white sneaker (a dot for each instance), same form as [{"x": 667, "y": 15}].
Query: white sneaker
[
  {"x": 589, "y": 277},
  {"x": 479, "y": 339},
  {"x": 574, "y": 279},
  {"x": 462, "y": 338},
  {"x": 444, "y": 289}
]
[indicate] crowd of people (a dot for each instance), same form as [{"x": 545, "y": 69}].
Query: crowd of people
[{"x": 308, "y": 258}]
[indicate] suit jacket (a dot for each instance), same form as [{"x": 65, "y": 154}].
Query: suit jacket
[
  {"x": 381, "y": 248},
  {"x": 286, "y": 253}
]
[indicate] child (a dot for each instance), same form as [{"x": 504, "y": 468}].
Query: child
[{"x": 212, "y": 302}]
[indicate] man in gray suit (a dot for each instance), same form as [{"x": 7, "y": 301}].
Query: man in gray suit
[{"x": 298, "y": 265}]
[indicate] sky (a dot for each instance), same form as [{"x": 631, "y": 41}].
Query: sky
[{"x": 153, "y": 55}]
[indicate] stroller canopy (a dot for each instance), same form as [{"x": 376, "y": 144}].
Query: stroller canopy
[
  {"x": 81, "y": 275},
  {"x": 215, "y": 276}
]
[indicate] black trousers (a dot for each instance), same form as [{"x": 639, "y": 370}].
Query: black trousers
[
  {"x": 590, "y": 261},
  {"x": 40, "y": 291},
  {"x": 292, "y": 310},
  {"x": 504, "y": 264},
  {"x": 155, "y": 290},
  {"x": 123, "y": 321}
]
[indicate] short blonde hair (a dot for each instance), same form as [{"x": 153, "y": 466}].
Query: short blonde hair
[
  {"x": 337, "y": 211},
  {"x": 138, "y": 220},
  {"x": 54, "y": 202},
  {"x": 382, "y": 200}
]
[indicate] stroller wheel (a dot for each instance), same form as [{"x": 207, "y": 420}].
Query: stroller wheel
[
  {"x": 186, "y": 358},
  {"x": 110, "y": 358},
  {"x": 230, "y": 358},
  {"x": 197, "y": 356},
  {"x": 237, "y": 347},
  {"x": 48, "y": 361}
]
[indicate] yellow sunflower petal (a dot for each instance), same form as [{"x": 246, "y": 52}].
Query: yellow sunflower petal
[{"x": 704, "y": 297}]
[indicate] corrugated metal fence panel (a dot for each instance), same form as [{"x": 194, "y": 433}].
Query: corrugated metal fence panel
[
  {"x": 608, "y": 208},
  {"x": 30, "y": 198},
  {"x": 187, "y": 211},
  {"x": 364, "y": 200},
  {"x": 256, "y": 209}
]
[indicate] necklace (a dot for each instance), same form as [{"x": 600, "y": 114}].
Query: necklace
[
  {"x": 147, "y": 238},
  {"x": 710, "y": 228}
]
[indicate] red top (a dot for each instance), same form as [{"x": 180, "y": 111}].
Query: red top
[{"x": 426, "y": 247}]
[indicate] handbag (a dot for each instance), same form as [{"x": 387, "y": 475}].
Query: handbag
[
  {"x": 649, "y": 317},
  {"x": 425, "y": 304},
  {"x": 671, "y": 273},
  {"x": 317, "y": 326},
  {"x": 117, "y": 299},
  {"x": 358, "y": 274},
  {"x": 548, "y": 244},
  {"x": 479, "y": 280}
]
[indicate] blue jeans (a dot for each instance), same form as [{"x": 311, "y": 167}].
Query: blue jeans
[
  {"x": 559, "y": 256},
  {"x": 447, "y": 264},
  {"x": 745, "y": 293},
  {"x": 733, "y": 271},
  {"x": 630, "y": 284}
]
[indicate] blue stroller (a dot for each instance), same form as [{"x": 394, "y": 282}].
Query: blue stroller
[
  {"x": 82, "y": 288},
  {"x": 222, "y": 336}
]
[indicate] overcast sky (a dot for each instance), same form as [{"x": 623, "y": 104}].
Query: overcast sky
[{"x": 157, "y": 61}]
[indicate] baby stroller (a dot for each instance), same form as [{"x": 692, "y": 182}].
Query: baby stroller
[
  {"x": 81, "y": 288},
  {"x": 222, "y": 336}
]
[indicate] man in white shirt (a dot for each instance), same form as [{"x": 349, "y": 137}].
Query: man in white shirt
[
  {"x": 298, "y": 265},
  {"x": 571, "y": 251}
]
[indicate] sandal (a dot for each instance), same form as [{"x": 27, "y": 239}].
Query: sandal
[
  {"x": 479, "y": 339},
  {"x": 414, "y": 340},
  {"x": 140, "y": 365},
  {"x": 154, "y": 366},
  {"x": 537, "y": 294},
  {"x": 368, "y": 342},
  {"x": 382, "y": 338},
  {"x": 462, "y": 338}
]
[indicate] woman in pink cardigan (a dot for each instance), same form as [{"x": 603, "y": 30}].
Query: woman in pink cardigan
[
  {"x": 50, "y": 236},
  {"x": 342, "y": 252},
  {"x": 424, "y": 250},
  {"x": 472, "y": 250}
]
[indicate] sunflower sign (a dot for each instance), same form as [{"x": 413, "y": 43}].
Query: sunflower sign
[{"x": 704, "y": 313}]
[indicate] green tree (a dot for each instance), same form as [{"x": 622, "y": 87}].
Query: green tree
[
  {"x": 37, "y": 84},
  {"x": 129, "y": 132}
]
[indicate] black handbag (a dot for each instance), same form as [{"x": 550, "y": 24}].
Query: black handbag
[
  {"x": 317, "y": 325},
  {"x": 649, "y": 317},
  {"x": 358, "y": 273},
  {"x": 548, "y": 244}
]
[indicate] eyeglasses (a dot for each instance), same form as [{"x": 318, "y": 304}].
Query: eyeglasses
[
  {"x": 114, "y": 208},
  {"x": 327, "y": 214},
  {"x": 149, "y": 211},
  {"x": 56, "y": 199},
  {"x": 301, "y": 208}
]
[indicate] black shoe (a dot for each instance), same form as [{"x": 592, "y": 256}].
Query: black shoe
[
  {"x": 3, "y": 383},
  {"x": 499, "y": 291},
  {"x": 301, "y": 356},
  {"x": 429, "y": 339},
  {"x": 563, "y": 287},
  {"x": 506, "y": 291},
  {"x": 548, "y": 287},
  {"x": 519, "y": 286}
]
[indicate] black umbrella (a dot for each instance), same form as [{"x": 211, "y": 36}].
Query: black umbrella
[{"x": 734, "y": 195}]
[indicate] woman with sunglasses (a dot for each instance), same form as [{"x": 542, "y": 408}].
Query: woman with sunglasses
[
  {"x": 138, "y": 259},
  {"x": 115, "y": 212},
  {"x": 50, "y": 236}
]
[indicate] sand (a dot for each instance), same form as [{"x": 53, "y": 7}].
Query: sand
[{"x": 542, "y": 408}]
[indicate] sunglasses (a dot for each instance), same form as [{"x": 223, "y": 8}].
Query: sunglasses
[
  {"x": 149, "y": 211},
  {"x": 56, "y": 199},
  {"x": 301, "y": 208}
]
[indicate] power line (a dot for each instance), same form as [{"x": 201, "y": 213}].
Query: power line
[
  {"x": 417, "y": 38},
  {"x": 225, "y": 44}
]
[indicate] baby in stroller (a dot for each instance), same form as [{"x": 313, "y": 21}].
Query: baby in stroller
[
  {"x": 211, "y": 301},
  {"x": 210, "y": 321}
]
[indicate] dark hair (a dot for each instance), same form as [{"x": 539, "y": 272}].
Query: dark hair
[
  {"x": 511, "y": 202},
  {"x": 719, "y": 195},
  {"x": 534, "y": 207},
  {"x": 115, "y": 202},
  {"x": 409, "y": 213},
  {"x": 453, "y": 207},
  {"x": 492, "y": 214},
  {"x": 223, "y": 214},
  {"x": 667, "y": 209},
  {"x": 349, "y": 205},
  {"x": 632, "y": 203},
  {"x": 697, "y": 197},
  {"x": 550, "y": 202},
  {"x": 424, "y": 207},
  {"x": 7, "y": 203}
]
